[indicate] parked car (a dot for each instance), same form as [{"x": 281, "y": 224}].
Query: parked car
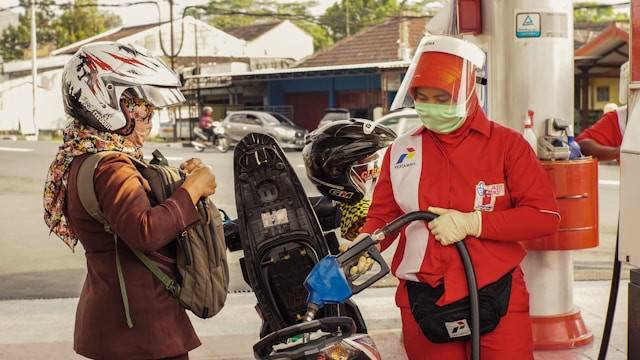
[
  {"x": 400, "y": 121},
  {"x": 238, "y": 124},
  {"x": 333, "y": 114}
]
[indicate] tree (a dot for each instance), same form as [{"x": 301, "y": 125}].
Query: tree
[
  {"x": 79, "y": 21},
  {"x": 592, "y": 11},
  {"x": 226, "y": 14},
  {"x": 350, "y": 16},
  {"x": 83, "y": 20},
  {"x": 16, "y": 39}
]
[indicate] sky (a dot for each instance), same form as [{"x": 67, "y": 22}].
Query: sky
[{"x": 148, "y": 13}]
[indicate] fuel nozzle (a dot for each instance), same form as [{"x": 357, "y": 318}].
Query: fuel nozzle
[
  {"x": 330, "y": 281},
  {"x": 312, "y": 309}
]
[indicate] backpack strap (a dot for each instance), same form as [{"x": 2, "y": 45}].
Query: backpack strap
[
  {"x": 86, "y": 192},
  {"x": 89, "y": 201}
]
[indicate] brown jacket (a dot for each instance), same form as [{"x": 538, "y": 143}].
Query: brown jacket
[{"x": 161, "y": 327}]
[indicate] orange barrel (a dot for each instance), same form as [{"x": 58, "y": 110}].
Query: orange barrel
[
  {"x": 575, "y": 183},
  {"x": 548, "y": 266}
]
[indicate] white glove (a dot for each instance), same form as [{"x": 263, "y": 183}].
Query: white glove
[
  {"x": 365, "y": 262},
  {"x": 452, "y": 225}
]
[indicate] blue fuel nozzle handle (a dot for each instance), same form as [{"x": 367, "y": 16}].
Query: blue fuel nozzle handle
[
  {"x": 330, "y": 281},
  {"x": 327, "y": 283}
]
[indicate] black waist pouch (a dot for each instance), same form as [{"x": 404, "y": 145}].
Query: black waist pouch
[{"x": 442, "y": 324}]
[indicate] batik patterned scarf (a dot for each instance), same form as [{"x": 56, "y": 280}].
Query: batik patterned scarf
[{"x": 77, "y": 140}]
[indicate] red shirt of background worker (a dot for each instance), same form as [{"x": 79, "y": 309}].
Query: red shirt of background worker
[{"x": 603, "y": 139}]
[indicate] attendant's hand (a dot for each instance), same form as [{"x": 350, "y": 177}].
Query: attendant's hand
[
  {"x": 365, "y": 262},
  {"x": 452, "y": 226}
]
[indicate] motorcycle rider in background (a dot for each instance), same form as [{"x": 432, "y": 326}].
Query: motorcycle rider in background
[{"x": 206, "y": 123}]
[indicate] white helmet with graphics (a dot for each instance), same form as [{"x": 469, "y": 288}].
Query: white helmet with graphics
[
  {"x": 95, "y": 78},
  {"x": 444, "y": 62}
]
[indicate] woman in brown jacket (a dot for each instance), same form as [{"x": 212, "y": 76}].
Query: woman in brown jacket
[{"x": 110, "y": 90}]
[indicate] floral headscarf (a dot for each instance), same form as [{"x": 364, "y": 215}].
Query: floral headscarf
[{"x": 77, "y": 140}]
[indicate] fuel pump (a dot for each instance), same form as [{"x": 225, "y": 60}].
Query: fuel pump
[{"x": 553, "y": 145}]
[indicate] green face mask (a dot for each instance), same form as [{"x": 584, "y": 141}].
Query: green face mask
[{"x": 439, "y": 118}]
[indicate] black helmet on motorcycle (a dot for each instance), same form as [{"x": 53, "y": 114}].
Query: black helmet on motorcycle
[
  {"x": 342, "y": 158},
  {"x": 94, "y": 80}
]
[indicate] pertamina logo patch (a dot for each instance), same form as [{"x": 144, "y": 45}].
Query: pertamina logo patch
[
  {"x": 486, "y": 195},
  {"x": 458, "y": 328},
  {"x": 405, "y": 159}
]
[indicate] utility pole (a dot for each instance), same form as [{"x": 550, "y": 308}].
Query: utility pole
[
  {"x": 171, "y": 56},
  {"x": 34, "y": 69},
  {"x": 171, "y": 29},
  {"x": 346, "y": 8}
]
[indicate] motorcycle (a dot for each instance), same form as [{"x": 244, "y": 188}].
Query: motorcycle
[
  {"x": 218, "y": 140},
  {"x": 283, "y": 234}
]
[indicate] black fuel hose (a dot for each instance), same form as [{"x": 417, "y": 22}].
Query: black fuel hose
[
  {"x": 613, "y": 298},
  {"x": 472, "y": 284}
]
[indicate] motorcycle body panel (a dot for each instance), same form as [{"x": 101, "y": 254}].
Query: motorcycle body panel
[{"x": 280, "y": 235}]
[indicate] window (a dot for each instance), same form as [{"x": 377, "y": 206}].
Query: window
[
  {"x": 238, "y": 119},
  {"x": 602, "y": 93},
  {"x": 252, "y": 120}
]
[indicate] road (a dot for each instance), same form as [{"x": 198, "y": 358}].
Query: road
[{"x": 34, "y": 264}]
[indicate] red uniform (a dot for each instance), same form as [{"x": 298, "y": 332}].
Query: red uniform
[
  {"x": 607, "y": 131},
  {"x": 481, "y": 166}
]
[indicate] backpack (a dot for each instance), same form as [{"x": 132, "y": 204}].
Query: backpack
[{"x": 201, "y": 250}]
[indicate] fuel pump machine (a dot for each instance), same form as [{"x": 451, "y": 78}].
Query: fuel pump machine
[{"x": 629, "y": 231}]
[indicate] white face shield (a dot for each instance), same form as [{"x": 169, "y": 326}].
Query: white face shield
[
  {"x": 443, "y": 62},
  {"x": 159, "y": 96}
]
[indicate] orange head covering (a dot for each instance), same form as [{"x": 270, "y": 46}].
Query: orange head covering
[{"x": 437, "y": 70}]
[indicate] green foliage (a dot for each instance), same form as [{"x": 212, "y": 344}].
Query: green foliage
[
  {"x": 13, "y": 41},
  {"x": 591, "y": 11},
  {"x": 350, "y": 16},
  {"x": 226, "y": 14},
  {"x": 83, "y": 20},
  {"x": 321, "y": 38},
  {"x": 16, "y": 39},
  {"x": 54, "y": 27}
]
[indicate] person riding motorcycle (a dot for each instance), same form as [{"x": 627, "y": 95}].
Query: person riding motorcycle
[
  {"x": 342, "y": 160},
  {"x": 206, "y": 122}
]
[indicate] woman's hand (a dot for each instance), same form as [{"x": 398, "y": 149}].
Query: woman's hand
[{"x": 200, "y": 180}]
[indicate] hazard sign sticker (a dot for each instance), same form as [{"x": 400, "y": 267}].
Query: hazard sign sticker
[{"x": 528, "y": 25}]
